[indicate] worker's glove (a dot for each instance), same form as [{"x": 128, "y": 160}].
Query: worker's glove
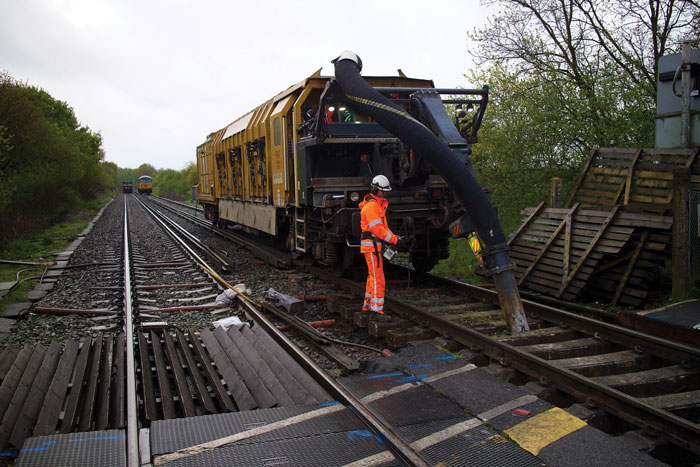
[{"x": 401, "y": 244}]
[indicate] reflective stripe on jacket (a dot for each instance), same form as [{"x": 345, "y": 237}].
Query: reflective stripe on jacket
[{"x": 373, "y": 220}]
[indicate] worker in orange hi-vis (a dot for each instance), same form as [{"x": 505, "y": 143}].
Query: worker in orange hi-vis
[{"x": 375, "y": 232}]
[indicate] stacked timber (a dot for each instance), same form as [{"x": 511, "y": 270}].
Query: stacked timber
[
  {"x": 608, "y": 254},
  {"x": 612, "y": 240},
  {"x": 628, "y": 177}
]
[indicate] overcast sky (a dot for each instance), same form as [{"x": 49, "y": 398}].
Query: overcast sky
[{"x": 155, "y": 77}]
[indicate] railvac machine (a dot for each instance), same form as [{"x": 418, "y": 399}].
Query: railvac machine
[{"x": 440, "y": 143}]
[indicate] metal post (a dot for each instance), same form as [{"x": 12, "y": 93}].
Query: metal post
[
  {"x": 685, "y": 95},
  {"x": 555, "y": 198},
  {"x": 679, "y": 255}
]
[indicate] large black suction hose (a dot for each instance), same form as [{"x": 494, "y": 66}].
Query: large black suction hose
[{"x": 456, "y": 172}]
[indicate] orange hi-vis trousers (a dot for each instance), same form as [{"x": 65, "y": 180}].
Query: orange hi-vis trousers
[{"x": 374, "y": 291}]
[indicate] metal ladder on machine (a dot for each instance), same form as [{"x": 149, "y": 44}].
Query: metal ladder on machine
[{"x": 300, "y": 230}]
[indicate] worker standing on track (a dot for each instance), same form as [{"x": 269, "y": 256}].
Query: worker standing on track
[{"x": 375, "y": 232}]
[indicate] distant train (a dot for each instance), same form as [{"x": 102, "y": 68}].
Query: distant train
[
  {"x": 145, "y": 185},
  {"x": 127, "y": 187},
  {"x": 297, "y": 166}
]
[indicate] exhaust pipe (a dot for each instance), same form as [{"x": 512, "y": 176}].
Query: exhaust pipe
[{"x": 458, "y": 173}]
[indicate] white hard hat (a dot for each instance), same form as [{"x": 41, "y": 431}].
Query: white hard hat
[{"x": 380, "y": 182}]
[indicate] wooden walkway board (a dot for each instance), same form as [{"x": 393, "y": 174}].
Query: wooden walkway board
[
  {"x": 32, "y": 405},
  {"x": 313, "y": 389},
  {"x": 244, "y": 400},
  {"x": 53, "y": 401},
  {"x": 80, "y": 386}
]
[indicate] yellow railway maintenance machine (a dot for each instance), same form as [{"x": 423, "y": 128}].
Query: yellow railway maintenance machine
[{"x": 297, "y": 166}]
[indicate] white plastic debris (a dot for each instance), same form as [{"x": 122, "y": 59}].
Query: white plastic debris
[
  {"x": 228, "y": 322},
  {"x": 228, "y": 296}
]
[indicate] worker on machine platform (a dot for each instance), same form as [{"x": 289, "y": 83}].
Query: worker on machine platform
[{"x": 375, "y": 234}]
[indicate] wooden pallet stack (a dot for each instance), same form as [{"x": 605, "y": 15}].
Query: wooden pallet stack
[
  {"x": 611, "y": 241},
  {"x": 629, "y": 177}
]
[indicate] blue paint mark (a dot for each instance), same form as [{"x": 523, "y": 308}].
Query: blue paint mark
[
  {"x": 33, "y": 449},
  {"x": 407, "y": 379},
  {"x": 385, "y": 375},
  {"x": 8, "y": 454},
  {"x": 95, "y": 439},
  {"x": 659, "y": 316},
  {"x": 423, "y": 365},
  {"x": 328, "y": 404},
  {"x": 45, "y": 443},
  {"x": 364, "y": 434},
  {"x": 451, "y": 357}
]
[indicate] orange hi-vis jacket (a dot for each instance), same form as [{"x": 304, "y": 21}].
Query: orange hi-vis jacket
[
  {"x": 373, "y": 220},
  {"x": 373, "y": 223}
]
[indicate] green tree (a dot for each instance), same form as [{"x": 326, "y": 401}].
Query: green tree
[
  {"x": 190, "y": 173},
  {"x": 111, "y": 170},
  {"x": 128, "y": 175},
  {"x": 567, "y": 76},
  {"x": 146, "y": 169},
  {"x": 582, "y": 40},
  {"x": 176, "y": 181},
  {"x": 535, "y": 129},
  {"x": 5, "y": 191},
  {"x": 49, "y": 163}
]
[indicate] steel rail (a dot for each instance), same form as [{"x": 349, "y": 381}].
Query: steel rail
[
  {"x": 180, "y": 203},
  {"x": 682, "y": 431},
  {"x": 667, "y": 349},
  {"x": 661, "y": 347},
  {"x": 159, "y": 219},
  {"x": 132, "y": 429},
  {"x": 274, "y": 258},
  {"x": 225, "y": 262},
  {"x": 678, "y": 430},
  {"x": 658, "y": 346},
  {"x": 399, "y": 448}
]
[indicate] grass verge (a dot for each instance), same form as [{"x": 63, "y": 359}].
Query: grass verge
[
  {"x": 462, "y": 263},
  {"x": 42, "y": 246}
]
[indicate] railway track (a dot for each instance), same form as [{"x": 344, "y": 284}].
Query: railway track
[
  {"x": 156, "y": 370},
  {"x": 648, "y": 383},
  {"x": 277, "y": 372}
]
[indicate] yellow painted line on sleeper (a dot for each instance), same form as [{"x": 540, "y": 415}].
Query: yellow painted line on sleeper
[{"x": 543, "y": 429}]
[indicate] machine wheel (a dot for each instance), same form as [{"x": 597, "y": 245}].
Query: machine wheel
[
  {"x": 424, "y": 264},
  {"x": 344, "y": 264}
]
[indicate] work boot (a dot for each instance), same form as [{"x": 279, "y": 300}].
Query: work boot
[{"x": 379, "y": 317}]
